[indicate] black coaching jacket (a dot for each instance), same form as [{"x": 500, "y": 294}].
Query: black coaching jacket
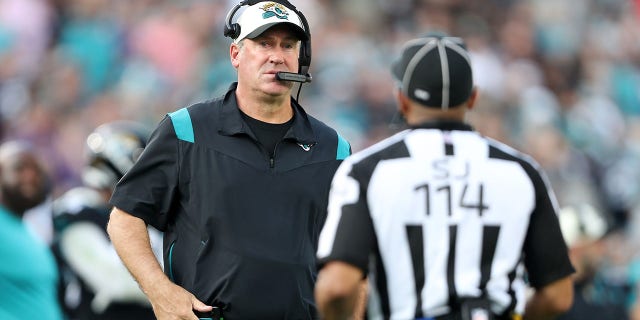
[{"x": 240, "y": 227}]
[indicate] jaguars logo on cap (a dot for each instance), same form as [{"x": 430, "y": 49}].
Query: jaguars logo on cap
[{"x": 277, "y": 10}]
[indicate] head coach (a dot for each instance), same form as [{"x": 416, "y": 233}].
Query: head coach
[{"x": 238, "y": 184}]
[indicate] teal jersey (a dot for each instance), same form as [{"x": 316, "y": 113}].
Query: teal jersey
[{"x": 28, "y": 273}]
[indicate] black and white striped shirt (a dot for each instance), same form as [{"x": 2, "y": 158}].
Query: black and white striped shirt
[{"x": 438, "y": 213}]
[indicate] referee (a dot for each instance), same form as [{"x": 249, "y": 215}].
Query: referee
[{"x": 444, "y": 223}]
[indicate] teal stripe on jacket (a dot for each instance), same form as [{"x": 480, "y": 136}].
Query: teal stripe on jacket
[
  {"x": 344, "y": 149},
  {"x": 182, "y": 124}
]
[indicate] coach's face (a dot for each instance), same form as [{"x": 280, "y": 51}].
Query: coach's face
[{"x": 258, "y": 60}]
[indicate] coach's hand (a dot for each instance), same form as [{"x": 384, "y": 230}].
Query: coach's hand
[{"x": 172, "y": 302}]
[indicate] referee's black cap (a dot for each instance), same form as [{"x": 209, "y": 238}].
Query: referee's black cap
[{"x": 435, "y": 71}]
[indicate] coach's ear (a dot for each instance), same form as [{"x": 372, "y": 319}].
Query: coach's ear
[{"x": 234, "y": 51}]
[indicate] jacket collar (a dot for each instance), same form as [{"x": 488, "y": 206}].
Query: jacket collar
[{"x": 231, "y": 122}]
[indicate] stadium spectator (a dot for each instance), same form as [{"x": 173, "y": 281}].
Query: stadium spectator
[{"x": 28, "y": 274}]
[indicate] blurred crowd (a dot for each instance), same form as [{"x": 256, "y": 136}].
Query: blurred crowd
[{"x": 559, "y": 80}]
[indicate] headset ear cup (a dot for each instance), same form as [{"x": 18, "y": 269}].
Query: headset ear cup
[
  {"x": 232, "y": 31},
  {"x": 305, "y": 55},
  {"x": 227, "y": 31}
]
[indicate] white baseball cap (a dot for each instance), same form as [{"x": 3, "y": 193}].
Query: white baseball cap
[{"x": 261, "y": 16}]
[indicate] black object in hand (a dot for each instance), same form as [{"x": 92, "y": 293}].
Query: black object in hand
[{"x": 214, "y": 314}]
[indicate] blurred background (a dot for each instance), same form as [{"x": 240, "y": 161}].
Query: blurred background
[{"x": 559, "y": 80}]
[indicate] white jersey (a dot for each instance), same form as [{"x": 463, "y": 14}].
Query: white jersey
[{"x": 438, "y": 214}]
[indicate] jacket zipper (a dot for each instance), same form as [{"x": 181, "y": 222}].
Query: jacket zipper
[{"x": 272, "y": 160}]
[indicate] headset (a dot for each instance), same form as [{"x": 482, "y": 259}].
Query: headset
[{"x": 232, "y": 30}]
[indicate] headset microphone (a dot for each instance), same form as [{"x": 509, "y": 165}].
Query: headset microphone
[{"x": 295, "y": 77}]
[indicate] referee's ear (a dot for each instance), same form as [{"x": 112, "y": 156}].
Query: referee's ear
[
  {"x": 402, "y": 101},
  {"x": 471, "y": 102}
]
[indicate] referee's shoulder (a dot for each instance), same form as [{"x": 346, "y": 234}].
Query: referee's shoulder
[
  {"x": 381, "y": 149},
  {"x": 503, "y": 151}
]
